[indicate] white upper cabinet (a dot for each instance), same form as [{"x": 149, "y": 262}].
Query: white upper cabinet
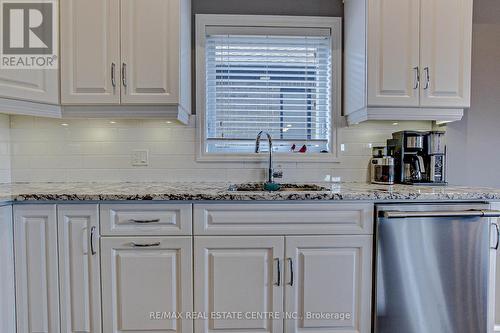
[
  {"x": 407, "y": 59},
  {"x": 31, "y": 85},
  {"x": 32, "y": 92},
  {"x": 126, "y": 52},
  {"x": 446, "y": 32},
  {"x": 394, "y": 53},
  {"x": 119, "y": 58},
  {"x": 150, "y": 51},
  {"x": 90, "y": 51}
]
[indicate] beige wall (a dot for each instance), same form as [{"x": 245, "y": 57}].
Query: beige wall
[
  {"x": 474, "y": 142},
  {"x": 270, "y": 7}
]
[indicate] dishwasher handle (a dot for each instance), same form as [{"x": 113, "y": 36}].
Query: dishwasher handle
[{"x": 451, "y": 213}]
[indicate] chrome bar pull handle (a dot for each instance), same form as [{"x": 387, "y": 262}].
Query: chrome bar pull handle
[
  {"x": 290, "y": 262},
  {"x": 278, "y": 270},
  {"x": 424, "y": 214},
  {"x": 491, "y": 213},
  {"x": 124, "y": 74},
  {"x": 416, "y": 81},
  {"x": 145, "y": 221},
  {"x": 497, "y": 232},
  {"x": 134, "y": 244},
  {"x": 92, "y": 233},
  {"x": 427, "y": 78},
  {"x": 113, "y": 78}
]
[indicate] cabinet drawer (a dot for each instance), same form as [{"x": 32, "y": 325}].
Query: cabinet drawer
[
  {"x": 144, "y": 278},
  {"x": 283, "y": 219},
  {"x": 146, "y": 219}
]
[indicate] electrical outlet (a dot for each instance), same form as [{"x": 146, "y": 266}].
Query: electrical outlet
[{"x": 140, "y": 157}]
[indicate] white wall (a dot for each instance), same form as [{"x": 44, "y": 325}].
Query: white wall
[
  {"x": 474, "y": 142},
  {"x": 4, "y": 149},
  {"x": 97, "y": 150}
]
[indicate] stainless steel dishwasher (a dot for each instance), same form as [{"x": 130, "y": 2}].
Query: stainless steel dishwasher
[{"x": 432, "y": 267}]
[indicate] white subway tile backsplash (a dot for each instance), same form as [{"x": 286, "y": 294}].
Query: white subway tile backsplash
[
  {"x": 245, "y": 175},
  {"x": 106, "y": 162},
  {"x": 199, "y": 174},
  {"x": 164, "y": 161},
  {"x": 21, "y": 163},
  {"x": 356, "y": 149},
  {"x": 5, "y": 176},
  {"x": 57, "y": 161},
  {"x": 4, "y": 133},
  {"x": 29, "y": 148},
  {"x": 39, "y": 149},
  {"x": 173, "y": 148},
  {"x": 34, "y": 174},
  {"x": 4, "y": 148},
  {"x": 5, "y": 159}
]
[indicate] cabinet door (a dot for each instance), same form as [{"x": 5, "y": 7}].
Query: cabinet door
[
  {"x": 494, "y": 283},
  {"x": 328, "y": 282},
  {"x": 7, "y": 289},
  {"x": 446, "y": 34},
  {"x": 393, "y": 52},
  {"x": 35, "y": 85},
  {"x": 150, "y": 51},
  {"x": 35, "y": 252},
  {"x": 238, "y": 274},
  {"x": 79, "y": 272},
  {"x": 90, "y": 51},
  {"x": 145, "y": 281}
]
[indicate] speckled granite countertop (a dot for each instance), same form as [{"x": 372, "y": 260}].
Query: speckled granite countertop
[{"x": 219, "y": 191}]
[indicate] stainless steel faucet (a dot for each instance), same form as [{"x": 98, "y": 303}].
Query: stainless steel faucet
[{"x": 270, "y": 172}]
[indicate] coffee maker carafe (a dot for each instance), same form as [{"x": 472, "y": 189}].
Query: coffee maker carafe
[
  {"x": 436, "y": 151},
  {"x": 414, "y": 169},
  {"x": 419, "y": 157}
]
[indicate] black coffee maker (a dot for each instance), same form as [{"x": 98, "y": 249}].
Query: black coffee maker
[{"x": 419, "y": 157}]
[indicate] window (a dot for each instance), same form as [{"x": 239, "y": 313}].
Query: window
[{"x": 273, "y": 74}]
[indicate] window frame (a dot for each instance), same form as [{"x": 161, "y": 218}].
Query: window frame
[{"x": 203, "y": 21}]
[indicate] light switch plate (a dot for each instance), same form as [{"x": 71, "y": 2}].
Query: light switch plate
[{"x": 140, "y": 157}]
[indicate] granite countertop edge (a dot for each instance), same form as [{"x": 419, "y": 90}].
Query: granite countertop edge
[{"x": 206, "y": 191}]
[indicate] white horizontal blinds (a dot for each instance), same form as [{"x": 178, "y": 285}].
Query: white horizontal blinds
[{"x": 277, "y": 82}]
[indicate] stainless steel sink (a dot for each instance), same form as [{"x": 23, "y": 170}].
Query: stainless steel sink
[{"x": 256, "y": 187}]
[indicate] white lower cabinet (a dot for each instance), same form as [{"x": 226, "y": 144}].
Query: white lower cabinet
[
  {"x": 79, "y": 269},
  {"x": 494, "y": 296},
  {"x": 70, "y": 279},
  {"x": 238, "y": 275},
  {"x": 145, "y": 280},
  {"x": 7, "y": 289},
  {"x": 37, "y": 285},
  {"x": 329, "y": 283},
  {"x": 325, "y": 283}
]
